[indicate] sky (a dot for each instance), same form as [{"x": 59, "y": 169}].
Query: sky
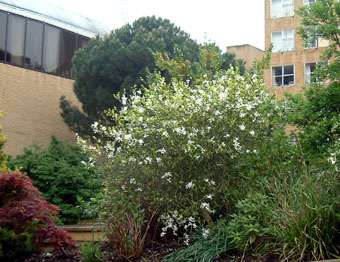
[{"x": 225, "y": 22}]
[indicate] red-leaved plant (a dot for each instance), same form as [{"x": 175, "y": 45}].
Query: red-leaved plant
[{"x": 23, "y": 210}]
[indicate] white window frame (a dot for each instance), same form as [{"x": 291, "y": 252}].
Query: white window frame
[
  {"x": 309, "y": 75},
  {"x": 282, "y": 33},
  {"x": 307, "y": 2},
  {"x": 282, "y": 10},
  {"x": 283, "y": 75}
]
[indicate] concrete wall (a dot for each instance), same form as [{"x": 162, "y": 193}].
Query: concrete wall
[
  {"x": 30, "y": 103},
  {"x": 246, "y": 52},
  {"x": 298, "y": 57}
]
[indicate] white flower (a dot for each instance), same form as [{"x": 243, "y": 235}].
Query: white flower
[
  {"x": 210, "y": 196},
  {"x": 191, "y": 220},
  {"x": 124, "y": 100},
  {"x": 162, "y": 151},
  {"x": 140, "y": 141},
  {"x": 165, "y": 133},
  {"x": 205, "y": 233},
  {"x": 252, "y": 132},
  {"x": 209, "y": 182},
  {"x": 189, "y": 185},
  {"x": 237, "y": 145},
  {"x": 332, "y": 159},
  {"x": 186, "y": 239},
  {"x": 132, "y": 180},
  {"x": 167, "y": 176},
  {"x": 249, "y": 107},
  {"x": 206, "y": 206},
  {"x": 242, "y": 127},
  {"x": 127, "y": 137}
]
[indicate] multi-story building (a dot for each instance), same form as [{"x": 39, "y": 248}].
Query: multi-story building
[
  {"x": 293, "y": 61},
  {"x": 37, "y": 43}
]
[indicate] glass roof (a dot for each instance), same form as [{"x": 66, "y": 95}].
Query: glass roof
[{"x": 45, "y": 11}]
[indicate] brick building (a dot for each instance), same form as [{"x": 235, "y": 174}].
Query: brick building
[
  {"x": 293, "y": 61},
  {"x": 246, "y": 52},
  {"x": 37, "y": 43}
]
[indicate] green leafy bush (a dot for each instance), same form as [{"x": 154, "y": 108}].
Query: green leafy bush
[
  {"x": 64, "y": 174},
  {"x": 294, "y": 216},
  {"x": 177, "y": 151}
]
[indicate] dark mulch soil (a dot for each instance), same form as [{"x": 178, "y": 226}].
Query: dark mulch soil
[
  {"x": 248, "y": 258},
  {"x": 154, "y": 252},
  {"x": 65, "y": 255}
]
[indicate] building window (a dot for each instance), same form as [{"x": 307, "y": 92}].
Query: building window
[
  {"x": 309, "y": 70},
  {"x": 33, "y": 45},
  {"x": 282, "y": 8},
  {"x": 15, "y": 40},
  {"x": 3, "y": 24},
  {"x": 51, "y": 49},
  {"x": 283, "y": 75},
  {"x": 68, "y": 47},
  {"x": 36, "y": 45},
  {"x": 283, "y": 41},
  {"x": 309, "y": 2}
]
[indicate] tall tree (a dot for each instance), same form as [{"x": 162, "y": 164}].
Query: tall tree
[
  {"x": 119, "y": 62},
  {"x": 211, "y": 60},
  {"x": 317, "y": 111},
  {"x": 321, "y": 20}
]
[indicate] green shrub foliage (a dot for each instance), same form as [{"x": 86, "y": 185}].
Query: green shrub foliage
[
  {"x": 178, "y": 150},
  {"x": 64, "y": 174}
]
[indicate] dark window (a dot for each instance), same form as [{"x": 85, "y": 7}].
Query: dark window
[
  {"x": 51, "y": 49},
  {"x": 68, "y": 47},
  {"x": 33, "y": 45},
  {"x": 15, "y": 40},
  {"x": 82, "y": 41},
  {"x": 3, "y": 23},
  {"x": 283, "y": 75}
]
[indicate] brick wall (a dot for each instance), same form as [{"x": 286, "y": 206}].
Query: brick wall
[
  {"x": 298, "y": 57},
  {"x": 30, "y": 103},
  {"x": 246, "y": 52}
]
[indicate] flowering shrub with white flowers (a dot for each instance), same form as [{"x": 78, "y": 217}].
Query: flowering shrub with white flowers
[{"x": 179, "y": 150}]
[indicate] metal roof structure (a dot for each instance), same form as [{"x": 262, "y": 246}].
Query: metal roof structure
[{"x": 47, "y": 12}]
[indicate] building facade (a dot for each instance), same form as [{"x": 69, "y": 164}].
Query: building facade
[
  {"x": 247, "y": 53},
  {"x": 37, "y": 43},
  {"x": 293, "y": 61}
]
